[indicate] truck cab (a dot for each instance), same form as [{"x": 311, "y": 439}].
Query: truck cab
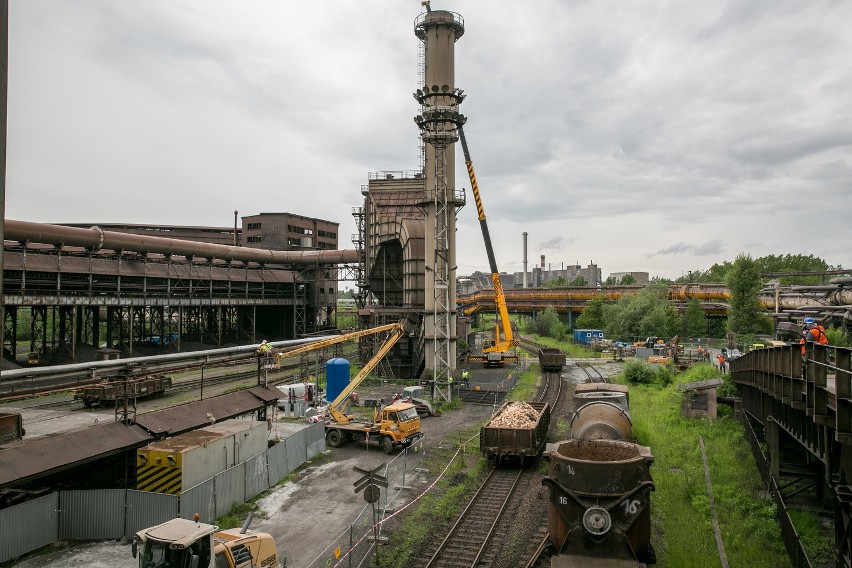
[
  {"x": 399, "y": 423},
  {"x": 181, "y": 543}
]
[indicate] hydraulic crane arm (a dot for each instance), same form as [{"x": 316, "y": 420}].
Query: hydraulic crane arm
[
  {"x": 335, "y": 340},
  {"x": 337, "y": 408},
  {"x": 499, "y": 296}
]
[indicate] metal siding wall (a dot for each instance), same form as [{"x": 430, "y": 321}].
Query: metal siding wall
[
  {"x": 110, "y": 513},
  {"x": 29, "y": 526},
  {"x": 148, "y": 509},
  {"x": 277, "y": 460},
  {"x": 296, "y": 451},
  {"x": 315, "y": 440},
  {"x": 200, "y": 499},
  {"x": 257, "y": 476},
  {"x": 91, "y": 514},
  {"x": 230, "y": 489}
]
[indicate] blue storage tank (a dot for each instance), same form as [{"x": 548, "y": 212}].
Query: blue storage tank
[{"x": 337, "y": 377}]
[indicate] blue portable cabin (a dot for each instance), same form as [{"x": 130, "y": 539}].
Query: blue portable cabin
[{"x": 587, "y": 336}]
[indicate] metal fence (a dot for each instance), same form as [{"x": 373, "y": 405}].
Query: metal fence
[
  {"x": 355, "y": 546},
  {"x": 792, "y": 542},
  {"x": 101, "y": 514}
]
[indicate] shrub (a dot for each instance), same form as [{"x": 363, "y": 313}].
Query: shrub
[{"x": 639, "y": 372}]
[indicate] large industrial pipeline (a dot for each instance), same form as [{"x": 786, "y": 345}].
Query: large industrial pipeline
[
  {"x": 832, "y": 304},
  {"x": 96, "y": 239}
]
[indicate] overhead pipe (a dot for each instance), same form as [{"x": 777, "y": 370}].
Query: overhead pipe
[{"x": 96, "y": 239}]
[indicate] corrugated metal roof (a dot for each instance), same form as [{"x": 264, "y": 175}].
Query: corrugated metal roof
[
  {"x": 186, "y": 417},
  {"x": 50, "y": 454},
  {"x": 29, "y": 459}
]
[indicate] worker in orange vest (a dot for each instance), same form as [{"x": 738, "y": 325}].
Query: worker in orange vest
[
  {"x": 721, "y": 359},
  {"x": 815, "y": 334}
]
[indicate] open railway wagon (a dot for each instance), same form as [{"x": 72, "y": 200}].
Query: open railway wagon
[
  {"x": 107, "y": 392},
  {"x": 551, "y": 359},
  {"x": 601, "y": 412},
  {"x": 517, "y": 430},
  {"x": 599, "y": 509}
]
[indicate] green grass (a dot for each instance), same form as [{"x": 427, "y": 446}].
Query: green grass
[
  {"x": 527, "y": 385},
  {"x": 680, "y": 510},
  {"x": 818, "y": 538}
]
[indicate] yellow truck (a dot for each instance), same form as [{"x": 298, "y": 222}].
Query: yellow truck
[{"x": 180, "y": 543}]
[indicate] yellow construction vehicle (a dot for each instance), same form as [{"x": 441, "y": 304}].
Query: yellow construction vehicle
[
  {"x": 501, "y": 349},
  {"x": 393, "y": 426},
  {"x": 180, "y": 543}
]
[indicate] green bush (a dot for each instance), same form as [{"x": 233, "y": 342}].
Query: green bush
[
  {"x": 638, "y": 372},
  {"x": 835, "y": 337}
]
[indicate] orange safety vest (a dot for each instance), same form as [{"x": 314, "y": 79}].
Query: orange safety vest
[{"x": 819, "y": 335}]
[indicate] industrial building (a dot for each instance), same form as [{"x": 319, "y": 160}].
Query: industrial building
[{"x": 123, "y": 285}]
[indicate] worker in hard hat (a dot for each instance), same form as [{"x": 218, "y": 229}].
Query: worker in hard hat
[
  {"x": 812, "y": 333},
  {"x": 465, "y": 377}
]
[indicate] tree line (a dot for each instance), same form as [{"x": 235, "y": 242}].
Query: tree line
[{"x": 650, "y": 313}]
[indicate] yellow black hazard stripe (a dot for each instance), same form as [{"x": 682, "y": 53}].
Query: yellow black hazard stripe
[{"x": 159, "y": 479}]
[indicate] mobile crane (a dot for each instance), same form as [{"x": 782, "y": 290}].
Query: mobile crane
[
  {"x": 501, "y": 349},
  {"x": 392, "y": 426},
  {"x": 395, "y": 425}
]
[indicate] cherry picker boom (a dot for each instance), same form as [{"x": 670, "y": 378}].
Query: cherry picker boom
[{"x": 502, "y": 348}]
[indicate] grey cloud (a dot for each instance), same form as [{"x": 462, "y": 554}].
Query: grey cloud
[
  {"x": 704, "y": 249},
  {"x": 553, "y": 243}
]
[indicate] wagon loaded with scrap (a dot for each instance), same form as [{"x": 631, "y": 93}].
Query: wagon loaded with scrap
[{"x": 518, "y": 430}]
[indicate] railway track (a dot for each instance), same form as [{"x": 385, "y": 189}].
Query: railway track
[
  {"x": 216, "y": 375},
  {"x": 587, "y": 368},
  {"x": 466, "y": 543},
  {"x": 480, "y": 534}
]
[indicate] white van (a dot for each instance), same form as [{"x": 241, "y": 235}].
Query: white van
[{"x": 297, "y": 390}]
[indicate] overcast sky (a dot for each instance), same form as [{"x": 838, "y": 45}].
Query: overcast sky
[{"x": 651, "y": 136}]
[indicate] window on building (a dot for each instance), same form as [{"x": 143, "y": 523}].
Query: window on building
[
  {"x": 253, "y": 227},
  {"x": 254, "y": 239}
]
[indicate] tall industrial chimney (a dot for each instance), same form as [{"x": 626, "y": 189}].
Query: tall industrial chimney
[
  {"x": 525, "y": 259},
  {"x": 542, "y": 262},
  {"x": 438, "y": 121}
]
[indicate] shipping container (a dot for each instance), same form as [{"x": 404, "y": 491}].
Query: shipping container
[
  {"x": 499, "y": 443},
  {"x": 588, "y": 336},
  {"x": 179, "y": 463}
]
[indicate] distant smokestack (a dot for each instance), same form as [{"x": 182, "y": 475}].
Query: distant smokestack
[
  {"x": 235, "y": 228},
  {"x": 525, "y": 259},
  {"x": 542, "y": 262}
]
